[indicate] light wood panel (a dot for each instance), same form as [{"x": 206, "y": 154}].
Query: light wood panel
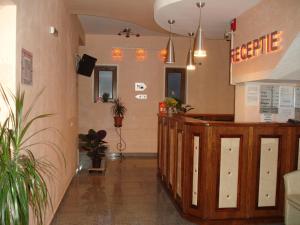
[
  {"x": 229, "y": 172},
  {"x": 268, "y": 172},
  {"x": 298, "y": 153},
  {"x": 195, "y": 170},
  {"x": 179, "y": 164}
]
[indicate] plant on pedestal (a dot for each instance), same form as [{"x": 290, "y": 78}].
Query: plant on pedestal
[{"x": 118, "y": 110}]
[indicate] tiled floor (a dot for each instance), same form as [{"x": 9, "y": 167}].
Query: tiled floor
[{"x": 128, "y": 194}]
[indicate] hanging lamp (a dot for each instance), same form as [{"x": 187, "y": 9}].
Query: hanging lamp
[
  {"x": 170, "y": 59},
  {"x": 190, "y": 64},
  {"x": 199, "y": 51}
]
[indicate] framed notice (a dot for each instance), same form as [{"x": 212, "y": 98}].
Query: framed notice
[
  {"x": 26, "y": 71},
  {"x": 297, "y": 97},
  {"x": 269, "y": 99},
  {"x": 252, "y": 94}
]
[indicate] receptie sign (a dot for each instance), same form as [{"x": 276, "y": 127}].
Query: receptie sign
[{"x": 263, "y": 45}]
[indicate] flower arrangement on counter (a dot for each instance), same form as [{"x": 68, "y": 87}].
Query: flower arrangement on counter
[
  {"x": 171, "y": 102},
  {"x": 176, "y": 106}
]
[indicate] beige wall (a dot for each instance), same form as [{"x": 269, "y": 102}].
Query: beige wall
[
  {"x": 264, "y": 18},
  {"x": 8, "y": 25},
  {"x": 208, "y": 88},
  {"x": 54, "y": 70}
]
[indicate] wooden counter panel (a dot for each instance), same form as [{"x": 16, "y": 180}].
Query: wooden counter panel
[
  {"x": 214, "y": 155},
  {"x": 260, "y": 134},
  {"x": 210, "y": 184},
  {"x": 297, "y": 141},
  {"x": 195, "y": 136}
]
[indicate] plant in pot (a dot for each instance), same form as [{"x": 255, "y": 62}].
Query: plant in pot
[
  {"x": 118, "y": 111},
  {"x": 93, "y": 142},
  {"x": 183, "y": 108},
  {"x": 171, "y": 104},
  {"x": 22, "y": 185},
  {"x": 105, "y": 97}
]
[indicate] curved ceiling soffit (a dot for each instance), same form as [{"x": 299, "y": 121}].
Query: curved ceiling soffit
[
  {"x": 152, "y": 26},
  {"x": 117, "y": 23}
]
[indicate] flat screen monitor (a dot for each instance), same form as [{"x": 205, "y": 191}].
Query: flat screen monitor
[{"x": 86, "y": 65}]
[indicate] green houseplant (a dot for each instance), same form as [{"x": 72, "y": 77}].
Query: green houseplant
[
  {"x": 93, "y": 142},
  {"x": 118, "y": 111},
  {"x": 171, "y": 104},
  {"x": 183, "y": 108},
  {"x": 22, "y": 184},
  {"x": 105, "y": 97}
]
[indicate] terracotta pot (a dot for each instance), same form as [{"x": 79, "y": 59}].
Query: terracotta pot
[{"x": 118, "y": 121}]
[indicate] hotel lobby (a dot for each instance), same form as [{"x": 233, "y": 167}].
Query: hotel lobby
[{"x": 150, "y": 112}]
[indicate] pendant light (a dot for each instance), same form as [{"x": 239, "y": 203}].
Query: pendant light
[
  {"x": 199, "y": 52},
  {"x": 170, "y": 59},
  {"x": 190, "y": 64}
]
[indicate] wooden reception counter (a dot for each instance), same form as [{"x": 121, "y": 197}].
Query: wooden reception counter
[{"x": 221, "y": 172}]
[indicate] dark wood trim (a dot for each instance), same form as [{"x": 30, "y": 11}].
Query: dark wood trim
[
  {"x": 182, "y": 71},
  {"x": 99, "y": 68}
]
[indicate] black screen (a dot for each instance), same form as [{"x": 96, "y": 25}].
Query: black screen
[{"x": 86, "y": 65}]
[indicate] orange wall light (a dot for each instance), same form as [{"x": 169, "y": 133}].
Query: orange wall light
[
  {"x": 163, "y": 54},
  {"x": 140, "y": 54},
  {"x": 117, "y": 54}
]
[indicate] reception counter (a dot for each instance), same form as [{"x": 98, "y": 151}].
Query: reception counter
[{"x": 221, "y": 172}]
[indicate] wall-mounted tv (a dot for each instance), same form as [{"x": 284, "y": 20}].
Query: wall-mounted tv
[{"x": 86, "y": 65}]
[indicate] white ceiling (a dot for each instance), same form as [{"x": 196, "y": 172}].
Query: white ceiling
[
  {"x": 138, "y": 12},
  {"x": 102, "y": 25},
  {"x": 216, "y": 15},
  {"x": 148, "y": 17}
]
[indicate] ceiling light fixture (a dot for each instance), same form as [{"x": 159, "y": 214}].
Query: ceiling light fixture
[
  {"x": 170, "y": 59},
  {"x": 190, "y": 64},
  {"x": 127, "y": 32},
  {"x": 198, "y": 44}
]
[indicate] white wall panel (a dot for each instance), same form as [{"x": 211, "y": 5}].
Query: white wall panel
[
  {"x": 160, "y": 146},
  {"x": 268, "y": 172},
  {"x": 165, "y": 150},
  {"x": 171, "y": 156},
  {"x": 195, "y": 170},
  {"x": 229, "y": 172},
  {"x": 299, "y": 154},
  {"x": 179, "y": 161}
]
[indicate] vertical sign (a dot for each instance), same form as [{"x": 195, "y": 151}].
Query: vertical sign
[
  {"x": 26, "y": 70},
  {"x": 297, "y": 97}
]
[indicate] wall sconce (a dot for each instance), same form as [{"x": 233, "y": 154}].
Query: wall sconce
[
  {"x": 53, "y": 31},
  {"x": 140, "y": 54},
  {"x": 117, "y": 54},
  {"x": 163, "y": 54}
]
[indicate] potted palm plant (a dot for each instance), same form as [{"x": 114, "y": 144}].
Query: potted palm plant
[
  {"x": 22, "y": 184},
  {"x": 93, "y": 142},
  {"x": 118, "y": 111}
]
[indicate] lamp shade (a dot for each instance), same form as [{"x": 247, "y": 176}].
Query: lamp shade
[
  {"x": 190, "y": 64},
  {"x": 170, "y": 59},
  {"x": 198, "y": 44}
]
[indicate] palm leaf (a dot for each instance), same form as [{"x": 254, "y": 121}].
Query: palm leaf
[{"x": 22, "y": 175}]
